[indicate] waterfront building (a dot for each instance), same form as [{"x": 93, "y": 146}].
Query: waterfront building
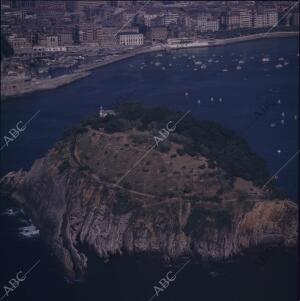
[
  {"x": 258, "y": 20},
  {"x": 159, "y": 34},
  {"x": 245, "y": 18},
  {"x": 233, "y": 20},
  {"x": 267, "y": 18},
  {"x": 131, "y": 39},
  {"x": 270, "y": 18},
  {"x": 207, "y": 23}
]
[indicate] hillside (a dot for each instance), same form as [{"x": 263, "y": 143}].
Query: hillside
[{"x": 107, "y": 187}]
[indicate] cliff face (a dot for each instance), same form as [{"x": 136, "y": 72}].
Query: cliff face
[{"x": 76, "y": 208}]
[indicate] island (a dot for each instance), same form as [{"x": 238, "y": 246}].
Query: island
[{"x": 113, "y": 186}]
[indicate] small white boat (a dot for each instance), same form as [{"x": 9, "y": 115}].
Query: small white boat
[
  {"x": 241, "y": 62},
  {"x": 203, "y": 66},
  {"x": 285, "y": 63},
  {"x": 238, "y": 68},
  {"x": 281, "y": 59},
  {"x": 199, "y": 101},
  {"x": 278, "y": 66},
  {"x": 186, "y": 93},
  {"x": 170, "y": 65},
  {"x": 265, "y": 59},
  {"x": 210, "y": 60},
  {"x": 282, "y": 121},
  {"x": 163, "y": 68},
  {"x": 279, "y": 101},
  {"x": 295, "y": 117},
  {"x": 279, "y": 151},
  {"x": 211, "y": 99},
  {"x": 220, "y": 99},
  {"x": 157, "y": 64},
  {"x": 272, "y": 125},
  {"x": 225, "y": 70},
  {"x": 282, "y": 114},
  {"x": 198, "y": 63},
  {"x": 195, "y": 69}
]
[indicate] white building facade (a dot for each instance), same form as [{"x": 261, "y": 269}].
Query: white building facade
[{"x": 131, "y": 39}]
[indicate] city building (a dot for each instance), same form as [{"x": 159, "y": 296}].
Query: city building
[
  {"x": 170, "y": 18},
  {"x": 19, "y": 44},
  {"x": 159, "y": 34},
  {"x": 108, "y": 37},
  {"x": 232, "y": 20},
  {"x": 65, "y": 38},
  {"x": 148, "y": 18},
  {"x": 50, "y": 8},
  {"x": 51, "y": 41},
  {"x": 245, "y": 18},
  {"x": 267, "y": 18},
  {"x": 207, "y": 23},
  {"x": 90, "y": 34},
  {"x": 131, "y": 39}
]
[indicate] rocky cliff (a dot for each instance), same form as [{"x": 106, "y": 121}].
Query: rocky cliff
[{"x": 168, "y": 204}]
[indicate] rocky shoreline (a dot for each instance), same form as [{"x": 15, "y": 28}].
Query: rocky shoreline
[{"x": 19, "y": 88}]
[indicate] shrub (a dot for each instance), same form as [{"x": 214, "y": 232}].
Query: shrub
[
  {"x": 164, "y": 147},
  {"x": 117, "y": 125},
  {"x": 139, "y": 138}
]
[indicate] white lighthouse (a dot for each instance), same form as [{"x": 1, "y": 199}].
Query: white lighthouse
[{"x": 102, "y": 113}]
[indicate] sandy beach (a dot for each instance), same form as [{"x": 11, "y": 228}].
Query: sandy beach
[{"x": 20, "y": 87}]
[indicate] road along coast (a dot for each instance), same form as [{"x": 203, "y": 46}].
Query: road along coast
[{"x": 13, "y": 88}]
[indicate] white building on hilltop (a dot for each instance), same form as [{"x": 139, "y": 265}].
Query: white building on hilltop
[{"x": 104, "y": 113}]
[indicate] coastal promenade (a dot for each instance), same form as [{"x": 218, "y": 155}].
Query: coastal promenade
[{"x": 12, "y": 88}]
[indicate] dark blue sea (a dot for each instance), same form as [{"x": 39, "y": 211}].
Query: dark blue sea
[{"x": 250, "y": 87}]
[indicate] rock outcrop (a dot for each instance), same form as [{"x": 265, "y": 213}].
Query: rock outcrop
[{"x": 77, "y": 208}]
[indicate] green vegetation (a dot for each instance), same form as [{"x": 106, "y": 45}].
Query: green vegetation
[{"x": 221, "y": 146}]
